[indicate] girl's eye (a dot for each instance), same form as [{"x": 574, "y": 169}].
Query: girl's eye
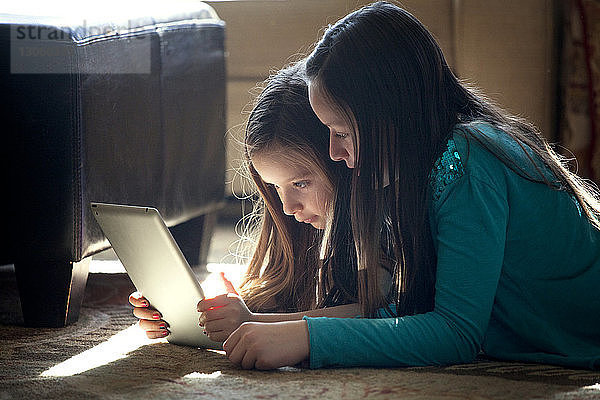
[
  {"x": 301, "y": 184},
  {"x": 341, "y": 135}
]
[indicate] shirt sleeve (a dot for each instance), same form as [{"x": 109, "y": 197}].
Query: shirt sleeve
[{"x": 469, "y": 229}]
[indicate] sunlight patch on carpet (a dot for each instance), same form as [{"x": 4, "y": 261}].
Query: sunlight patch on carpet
[
  {"x": 115, "y": 348},
  {"x": 200, "y": 375}
]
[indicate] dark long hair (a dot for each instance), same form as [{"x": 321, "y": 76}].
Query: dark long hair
[
  {"x": 385, "y": 73},
  {"x": 286, "y": 272}
]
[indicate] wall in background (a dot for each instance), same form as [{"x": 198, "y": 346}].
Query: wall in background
[{"x": 507, "y": 48}]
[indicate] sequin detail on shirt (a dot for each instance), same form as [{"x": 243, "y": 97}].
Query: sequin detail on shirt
[{"x": 446, "y": 170}]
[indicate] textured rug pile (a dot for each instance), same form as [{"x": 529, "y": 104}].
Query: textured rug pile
[{"x": 106, "y": 356}]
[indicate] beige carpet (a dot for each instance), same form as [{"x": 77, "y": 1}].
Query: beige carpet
[{"x": 102, "y": 357}]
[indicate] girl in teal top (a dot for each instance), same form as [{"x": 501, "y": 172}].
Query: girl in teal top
[
  {"x": 518, "y": 271},
  {"x": 492, "y": 244},
  {"x": 497, "y": 244}
]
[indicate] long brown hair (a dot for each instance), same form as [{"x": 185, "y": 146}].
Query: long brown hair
[
  {"x": 385, "y": 73},
  {"x": 286, "y": 272}
]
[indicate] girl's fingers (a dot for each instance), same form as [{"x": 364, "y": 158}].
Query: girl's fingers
[
  {"x": 219, "y": 325},
  {"x": 214, "y": 314},
  {"x": 231, "y": 343},
  {"x": 206, "y": 304},
  {"x": 137, "y": 300},
  {"x": 234, "y": 352},
  {"x": 217, "y": 336},
  {"x": 147, "y": 313},
  {"x": 202, "y": 319},
  {"x": 149, "y": 318},
  {"x": 217, "y": 330},
  {"x": 249, "y": 360},
  {"x": 157, "y": 334},
  {"x": 153, "y": 326},
  {"x": 228, "y": 285}
]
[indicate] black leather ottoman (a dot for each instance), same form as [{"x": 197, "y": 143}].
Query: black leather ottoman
[{"x": 127, "y": 110}]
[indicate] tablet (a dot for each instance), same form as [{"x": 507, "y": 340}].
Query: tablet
[{"x": 157, "y": 268}]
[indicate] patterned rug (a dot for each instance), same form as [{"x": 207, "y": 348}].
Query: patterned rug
[{"x": 106, "y": 356}]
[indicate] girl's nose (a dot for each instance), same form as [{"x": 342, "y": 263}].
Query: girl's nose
[
  {"x": 291, "y": 205},
  {"x": 338, "y": 152},
  {"x": 291, "y": 209}
]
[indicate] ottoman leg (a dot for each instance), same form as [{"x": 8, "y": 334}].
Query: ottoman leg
[{"x": 51, "y": 292}]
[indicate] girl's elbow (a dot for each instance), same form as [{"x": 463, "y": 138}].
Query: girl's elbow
[
  {"x": 468, "y": 357},
  {"x": 468, "y": 349},
  {"x": 464, "y": 344},
  {"x": 458, "y": 355}
]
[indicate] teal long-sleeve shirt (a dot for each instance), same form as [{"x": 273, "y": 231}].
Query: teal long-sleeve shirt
[{"x": 518, "y": 273}]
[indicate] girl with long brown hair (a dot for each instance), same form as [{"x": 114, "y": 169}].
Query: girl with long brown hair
[{"x": 296, "y": 269}]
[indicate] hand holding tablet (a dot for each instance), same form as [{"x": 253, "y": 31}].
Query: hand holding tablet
[{"x": 158, "y": 270}]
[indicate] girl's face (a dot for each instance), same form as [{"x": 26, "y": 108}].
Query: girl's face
[
  {"x": 341, "y": 144},
  {"x": 303, "y": 194}
]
